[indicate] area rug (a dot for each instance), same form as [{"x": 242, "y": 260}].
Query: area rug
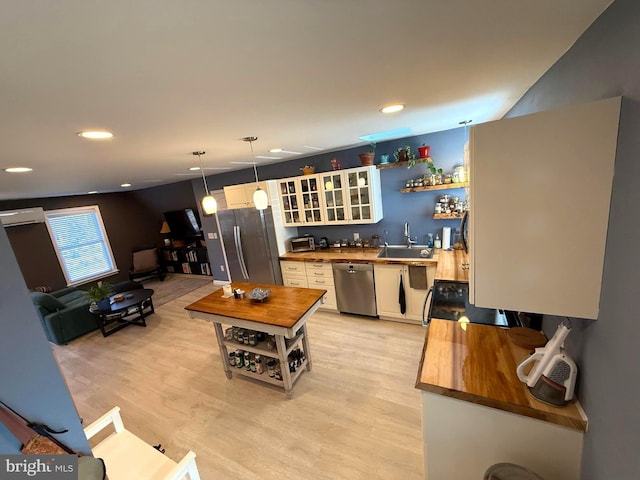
[{"x": 174, "y": 286}]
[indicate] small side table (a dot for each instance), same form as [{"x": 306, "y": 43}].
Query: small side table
[{"x": 137, "y": 304}]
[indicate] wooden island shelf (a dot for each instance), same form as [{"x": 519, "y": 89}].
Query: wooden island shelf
[{"x": 284, "y": 315}]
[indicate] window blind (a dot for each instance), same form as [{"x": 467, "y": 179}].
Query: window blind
[{"x": 81, "y": 243}]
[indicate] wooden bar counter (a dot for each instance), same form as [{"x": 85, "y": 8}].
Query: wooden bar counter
[
  {"x": 477, "y": 363},
  {"x": 283, "y": 315},
  {"x": 474, "y": 405}
]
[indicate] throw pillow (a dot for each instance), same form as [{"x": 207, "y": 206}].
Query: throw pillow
[{"x": 145, "y": 260}]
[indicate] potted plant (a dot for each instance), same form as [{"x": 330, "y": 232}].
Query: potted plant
[
  {"x": 99, "y": 295},
  {"x": 367, "y": 158},
  {"x": 436, "y": 174},
  {"x": 404, "y": 154},
  {"x": 424, "y": 151}
]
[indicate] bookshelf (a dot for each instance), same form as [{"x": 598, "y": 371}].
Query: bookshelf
[{"x": 188, "y": 259}]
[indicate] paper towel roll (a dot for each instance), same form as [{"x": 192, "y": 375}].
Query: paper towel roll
[{"x": 446, "y": 238}]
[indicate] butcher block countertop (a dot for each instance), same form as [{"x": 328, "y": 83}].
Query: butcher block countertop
[
  {"x": 353, "y": 255},
  {"x": 285, "y": 306},
  {"x": 452, "y": 265},
  {"x": 477, "y": 363}
]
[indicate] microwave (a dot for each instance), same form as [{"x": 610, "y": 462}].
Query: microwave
[{"x": 303, "y": 244}]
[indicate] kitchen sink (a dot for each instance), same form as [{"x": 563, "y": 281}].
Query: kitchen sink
[{"x": 418, "y": 252}]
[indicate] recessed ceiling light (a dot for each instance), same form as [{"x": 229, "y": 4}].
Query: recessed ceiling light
[
  {"x": 125, "y": 185},
  {"x": 95, "y": 134},
  {"x": 313, "y": 148},
  {"x": 267, "y": 157},
  {"x": 92, "y": 192},
  {"x": 18, "y": 169},
  {"x": 392, "y": 108},
  {"x": 275, "y": 150},
  {"x": 194, "y": 169}
]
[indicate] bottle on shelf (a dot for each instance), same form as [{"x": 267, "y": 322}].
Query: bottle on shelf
[
  {"x": 430, "y": 240},
  {"x": 437, "y": 243}
]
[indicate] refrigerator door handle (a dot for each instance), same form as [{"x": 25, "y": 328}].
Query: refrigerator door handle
[{"x": 243, "y": 266}]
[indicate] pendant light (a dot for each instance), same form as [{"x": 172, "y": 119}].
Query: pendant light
[
  {"x": 260, "y": 198},
  {"x": 209, "y": 204}
]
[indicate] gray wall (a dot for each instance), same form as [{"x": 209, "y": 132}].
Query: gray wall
[
  {"x": 31, "y": 382},
  {"x": 605, "y": 62},
  {"x": 128, "y": 221}
]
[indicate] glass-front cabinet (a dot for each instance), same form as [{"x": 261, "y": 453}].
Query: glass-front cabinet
[
  {"x": 301, "y": 200},
  {"x": 311, "y": 199},
  {"x": 360, "y": 201},
  {"x": 288, "y": 189},
  {"x": 332, "y": 198},
  {"x": 335, "y": 206}
]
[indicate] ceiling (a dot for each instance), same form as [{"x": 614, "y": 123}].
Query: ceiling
[{"x": 171, "y": 77}]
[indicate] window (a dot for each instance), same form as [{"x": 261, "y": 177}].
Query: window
[{"x": 81, "y": 243}]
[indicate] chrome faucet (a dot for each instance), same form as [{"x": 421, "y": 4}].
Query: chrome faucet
[{"x": 407, "y": 234}]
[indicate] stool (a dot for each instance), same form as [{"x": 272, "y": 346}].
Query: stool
[{"x": 510, "y": 471}]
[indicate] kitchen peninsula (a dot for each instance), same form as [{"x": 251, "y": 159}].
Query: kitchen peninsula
[
  {"x": 475, "y": 410},
  {"x": 284, "y": 315}
]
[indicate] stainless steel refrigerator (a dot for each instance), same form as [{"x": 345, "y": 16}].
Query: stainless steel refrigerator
[{"x": 250, "y": 244}]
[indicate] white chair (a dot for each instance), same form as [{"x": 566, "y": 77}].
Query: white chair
[{"x": 128, "y": 457}]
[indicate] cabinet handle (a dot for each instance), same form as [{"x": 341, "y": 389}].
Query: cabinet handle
[
  {"x": 320, "y": 281},
  {"x": 321, "y": 274}
]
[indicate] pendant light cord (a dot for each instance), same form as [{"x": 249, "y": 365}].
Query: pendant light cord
[
  {"x": 206, "y": 188},
  {"x": 253, "y": 159}
]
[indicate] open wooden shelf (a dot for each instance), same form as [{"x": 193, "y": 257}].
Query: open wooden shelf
[
  {"x": 447, "y": 216},
  {"x": 444, "y": 186},
  {"x": 401, "y": 164}
]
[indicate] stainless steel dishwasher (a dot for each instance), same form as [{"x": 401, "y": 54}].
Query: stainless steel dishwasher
[{"x": 355, "y": 289}]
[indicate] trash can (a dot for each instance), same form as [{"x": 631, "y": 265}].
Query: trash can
[{"x": 510, "y": 471}]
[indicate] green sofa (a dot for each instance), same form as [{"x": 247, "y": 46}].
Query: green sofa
[{"x": 64, "y": 314}]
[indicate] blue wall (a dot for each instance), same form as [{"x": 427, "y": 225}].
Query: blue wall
[
  {"x": 31, "y": 382},
  {"x": 605, "y": 62},
  {"x": 416, "y": 208}
]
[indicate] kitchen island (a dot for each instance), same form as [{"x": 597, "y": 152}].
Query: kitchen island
[{"x": 284, "y": 315}]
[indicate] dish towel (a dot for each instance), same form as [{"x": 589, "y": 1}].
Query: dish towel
[{"x": 401, "y": 298}]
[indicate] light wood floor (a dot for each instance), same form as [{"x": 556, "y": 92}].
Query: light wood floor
[{"x": 356, "y": 415}]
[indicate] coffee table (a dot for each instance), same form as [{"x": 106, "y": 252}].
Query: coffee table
[{"x": 137, "y": 304}]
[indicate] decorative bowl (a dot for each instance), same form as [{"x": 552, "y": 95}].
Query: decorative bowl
[{"x": 259, "y": 294}]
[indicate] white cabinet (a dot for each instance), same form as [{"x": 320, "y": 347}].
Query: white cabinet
[
  {"x": 458, "y": 445},
  {"x": 300, "y": 199},
  {"x": 241, "y": 196},
  {"x": 333, "y": 198},
  {"x": 320, "y": 275},
  {"x": 293, "y": 274},
  {"x": 311, "y": 275},
  {"x": 352, "y": 196},
  {"x": 387, "y": 281},
  {"x": 540, "y": 195}
]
